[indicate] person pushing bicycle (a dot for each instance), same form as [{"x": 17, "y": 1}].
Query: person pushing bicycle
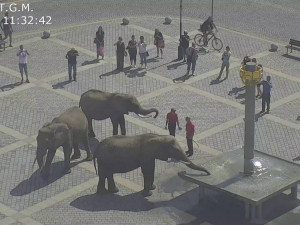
[{"x": 207, "y": 28}]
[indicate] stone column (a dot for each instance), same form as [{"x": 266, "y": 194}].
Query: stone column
[{"x": 249, "y": 122}]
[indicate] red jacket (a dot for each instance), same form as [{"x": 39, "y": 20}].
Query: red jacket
[{"x": 190, "y": 129}]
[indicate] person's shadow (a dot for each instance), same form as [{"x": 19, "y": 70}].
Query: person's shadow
[
  {"x": 216, "y": 81},
  {"x": 61, "y": 84},
  {"x": 236, "y": 90},
  {"x": 182, "y": 79},
  {"x": 176, "y": 65},
  {"x": 138, "y": 72},
  {"x": 115, "y": 71},
  {"x": 90, "y": 62},
  {"x": 36, "y": 182},
  {"x": 10, "y": 86}
]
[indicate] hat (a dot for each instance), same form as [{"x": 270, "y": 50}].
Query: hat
[
  {"x": 185, "y": 32},
  {"x": 172, "y": 109}
]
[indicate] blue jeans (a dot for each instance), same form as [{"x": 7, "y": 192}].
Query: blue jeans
[
  {"x": 143, "y": 57},
  {"x": 70, "y": 67},
  {"x": 193, "y": 63},
  {"x": 266, "y": 98},
  {"x": 23, "y": 67}
]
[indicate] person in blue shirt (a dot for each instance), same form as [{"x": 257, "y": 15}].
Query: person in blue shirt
[{"x": 266, "y": 94}]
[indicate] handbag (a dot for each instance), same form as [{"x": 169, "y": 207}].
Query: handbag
[
  {"x": 96, "y": 41},
  {"x": 161, "y": 43}
]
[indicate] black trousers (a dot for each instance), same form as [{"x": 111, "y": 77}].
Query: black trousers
[
  {"x": 266, "y": 98},
  {"x": 190, "y": 145},
  {"x": 172, "y": 128}
]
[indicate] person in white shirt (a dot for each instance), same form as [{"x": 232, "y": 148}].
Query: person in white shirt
[
  {"x": 225, "y": 63},
  {"x": 143, "y": 51},
  {"x": 22, "y": 53}
]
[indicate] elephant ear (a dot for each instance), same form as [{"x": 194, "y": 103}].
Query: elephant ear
[
  {"x": 61, "y": 130},
  {"x": 158, "y": 148},
  {"x": 122, "y": 103}
]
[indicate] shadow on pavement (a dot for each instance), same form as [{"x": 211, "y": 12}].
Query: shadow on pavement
[
  {"x": 116, "y": 71},
  {"x": 90, "y": 62},
  {"x": 10, "y": 86},
  {"x": 236, "y": 90},
  {"x": 182, "y": 79},
  {"x": 36, "y": 182},
  {"x": 136, "y": 72},
  {"x": 291, "y": 57},
  {"x": 216, "y": 81},
  {"x": 61, "y": 84}
]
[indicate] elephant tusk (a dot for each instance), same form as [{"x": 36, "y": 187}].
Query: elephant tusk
[{"x": 142, "y": 116}]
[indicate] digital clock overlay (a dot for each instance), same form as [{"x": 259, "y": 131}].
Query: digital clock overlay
[{"x": 149, "y": 112}]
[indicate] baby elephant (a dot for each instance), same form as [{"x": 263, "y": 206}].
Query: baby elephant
[
  {"x": 67, "y": 130},
  {"x": 121, "y": 154}
]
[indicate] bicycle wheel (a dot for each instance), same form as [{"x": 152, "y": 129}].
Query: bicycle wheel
[
  {"x": 199, "y": 39},
  {"x": 217, "y": 44}
]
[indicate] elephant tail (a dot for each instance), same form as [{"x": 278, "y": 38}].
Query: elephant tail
[{"x": 95, "y": 163}]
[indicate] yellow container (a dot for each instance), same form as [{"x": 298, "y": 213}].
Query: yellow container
[{"x": 250, "y": 78}]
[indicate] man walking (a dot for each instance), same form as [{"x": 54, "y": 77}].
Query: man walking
[
  {"x": 171, "y": 121},
  {"x": 184, "y": 42},
  {"x": 72, "y": 63},
  {"x": 192, "y": 56},
  {"x": 22, "y": 53},
  {"x": 190, "y": 131},
  {"x": 6, "y": 27},
  {"x": 266, "y": 95},
  {"x": 225, "y": 59}
]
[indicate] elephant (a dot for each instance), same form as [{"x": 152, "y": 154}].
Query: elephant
[
  {"x": 100, "y": 105},
  {"x": 121, "y": 154},
  {"x": 67, "y": 130}
]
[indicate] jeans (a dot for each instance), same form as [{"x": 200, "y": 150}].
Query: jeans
[
  {"x": 172, "y": 128},
  {"x": 23, "y": 67},
  {"x": 266, "y": 98},
  {"x": 222, "y": 68},
  {"x": 190, "y": 145},
  {"x": 143, "y": 57},
  {"x": 70, "y": 67},
  {"x": 184, "y": 52},
  {"x": 193, "y": 63}
]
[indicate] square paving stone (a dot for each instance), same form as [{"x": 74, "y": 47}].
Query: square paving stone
[
  {"x": 83, "y": 36},
  {"x": 8, "y": 82},
  {"x": 270, "y": 137},
  {"x": 203, "y": 111},
  {"x": 6, "y": 139},
  {"x": 242, "y": 45},
  {"x": 171, "y": 68},
  {"x": 234, "y": 89},
  {"x": 124, "y": 207},
  {"x": 288, "y": 111},
  {"x": 28, "y": 110},
  {"x": 21, "y": 185},
  {"x": 172, "y": 29},
  {"x": 46, "y": 58},
  {"x": 106, "y": 78},
  {"x": 288, "y": 64}
]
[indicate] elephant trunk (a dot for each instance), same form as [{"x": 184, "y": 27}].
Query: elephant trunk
[
  {"x": 40, "y": 156},
  {"x": 185, "y": 160},
  {"x": 144, "y": 112}
]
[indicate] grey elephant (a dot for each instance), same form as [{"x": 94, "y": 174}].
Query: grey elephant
[
  {"x": 67, "y": 130},
  {"x": 100, "y": 105},
  {"x": 121, "y": 154}
]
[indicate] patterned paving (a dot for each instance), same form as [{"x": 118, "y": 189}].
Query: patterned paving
[{"x": 214, "y": 108}]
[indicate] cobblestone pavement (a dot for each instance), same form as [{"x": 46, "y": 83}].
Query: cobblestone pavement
[{"x": 216, "y": 108}]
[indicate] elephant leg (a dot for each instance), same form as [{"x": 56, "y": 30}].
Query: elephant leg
[
  {"x": 111, "y": 184},
  {"x": 122, "y": 125},
  {"x": 89, "y": 155},
  {"x": 148, "y": 172},
  {"x": 76, "y": 154},
  {"x": 90, "y": 126},
  {"x": 46, "y": 169},
  {"x": 115, "y": 124},
  {"x": 67, "y": 154},
  {"x": 101, "y": 184}
]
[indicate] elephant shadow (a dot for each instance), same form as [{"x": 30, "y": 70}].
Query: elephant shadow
[{"x": 36, "y": 182}]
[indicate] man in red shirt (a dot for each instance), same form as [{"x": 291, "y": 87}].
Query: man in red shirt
[
  {"x": 190, "y": 130},
  {"x": 171, "y": 121}
]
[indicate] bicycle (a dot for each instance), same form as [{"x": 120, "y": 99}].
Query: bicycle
[{"x": 216, "y": 43}]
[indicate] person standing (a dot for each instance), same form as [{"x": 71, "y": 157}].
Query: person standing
[
  {"x": 72, "y": 63},
  {"x": 99, "y": 41},
  {"x": 192, "y": 56},
  {"x": 132, "y": 50},
  {"x": 23, "y": 53},
  {"x": 143, "y": 51},
  {"x": 225, "y": 58},
  {"x": 259, "y": 92},
  {"x": 159, "y": 42},
  {"x": 266, "y": 94},
  {"x": 120, "y": 54},
  {"x": 190, "y": 131},
  {"x": 185, "y": 43},
  {"x": 6, "y": 27},
  {"x": 171, "y": 121}
]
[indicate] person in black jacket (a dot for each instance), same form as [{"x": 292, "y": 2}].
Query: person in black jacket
[
  {"x": 184, "y": 43},
  {"x": 99, "y": 41}
]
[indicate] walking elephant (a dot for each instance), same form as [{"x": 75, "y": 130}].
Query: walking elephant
[
  {"x": 121, "y": 154},
  {"x": 67, "y": 130},
  {"x": 100, "y": 105}
]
